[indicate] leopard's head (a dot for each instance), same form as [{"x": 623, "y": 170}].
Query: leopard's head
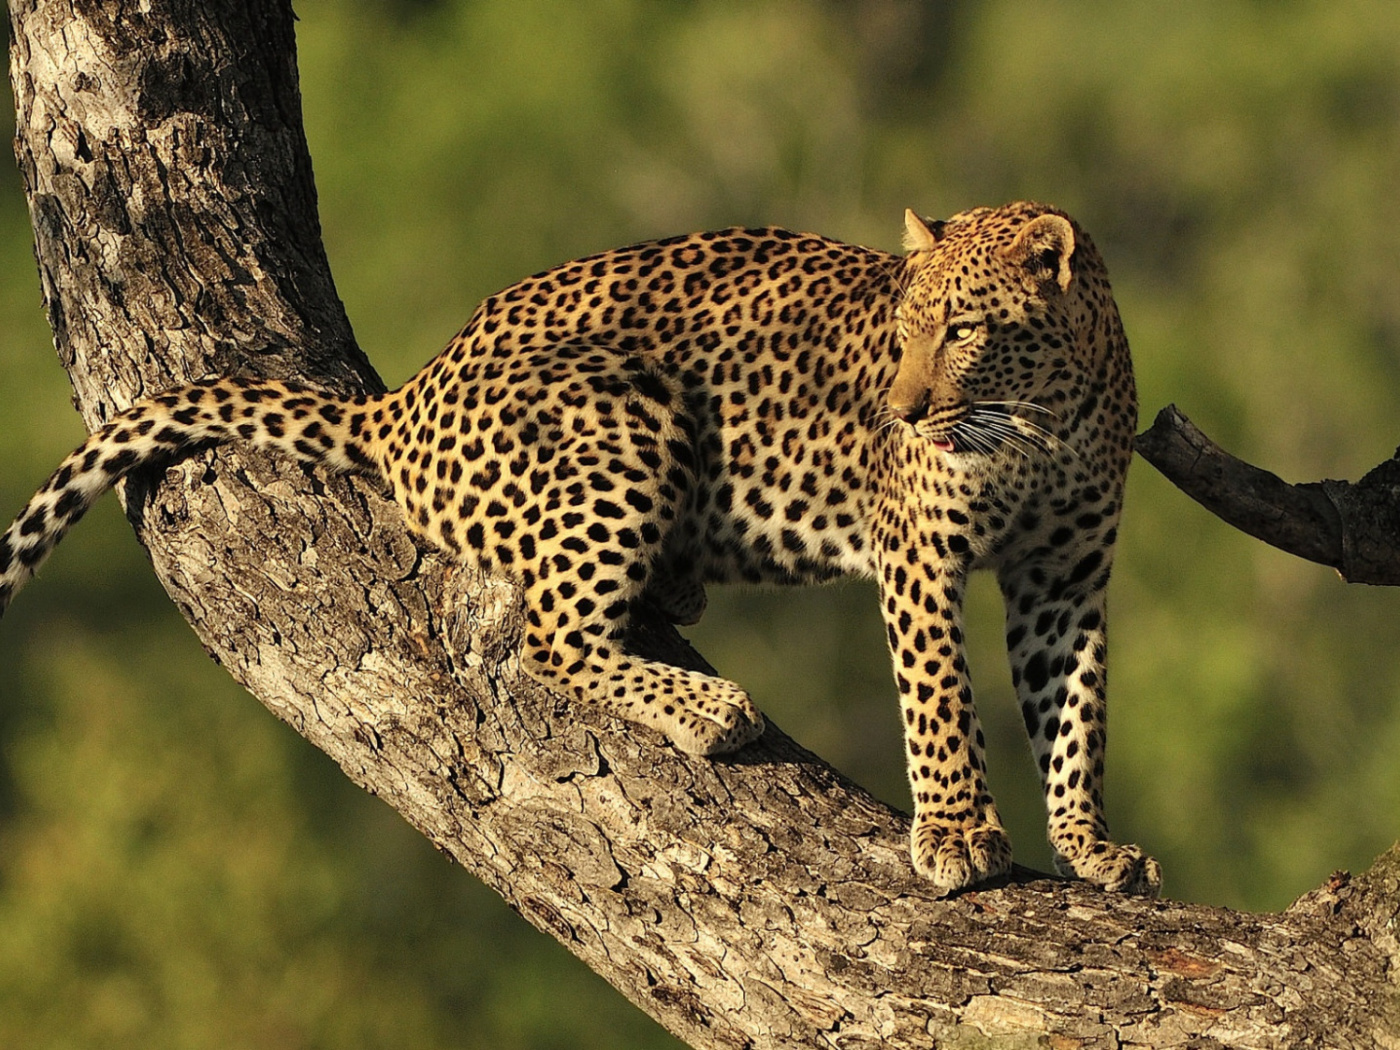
[{"x": 1007, "y": 328}]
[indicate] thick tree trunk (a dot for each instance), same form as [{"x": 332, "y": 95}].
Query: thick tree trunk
[{"x": 760, "y": 901}]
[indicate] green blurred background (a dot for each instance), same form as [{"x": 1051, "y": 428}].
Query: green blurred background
[{"x": 177, "y": 869}]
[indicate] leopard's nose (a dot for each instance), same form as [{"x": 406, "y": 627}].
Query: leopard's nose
[{"x": 910, "y": 411}]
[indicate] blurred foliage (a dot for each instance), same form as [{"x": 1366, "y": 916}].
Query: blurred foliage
[{"x": 177, "y": 869}]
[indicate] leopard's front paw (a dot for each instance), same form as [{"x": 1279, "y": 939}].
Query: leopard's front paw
[
  {"x": 1124, "y": 869},
  {"x": 954, "y": 856}
]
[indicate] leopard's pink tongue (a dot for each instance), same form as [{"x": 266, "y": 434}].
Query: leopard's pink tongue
[{"x": 943, "y": 444}]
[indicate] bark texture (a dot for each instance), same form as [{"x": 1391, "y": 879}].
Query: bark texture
[{"x": 762, "y": 901}]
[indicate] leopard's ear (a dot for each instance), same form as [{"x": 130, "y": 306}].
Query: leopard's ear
[
  {"x": 1044, "y": 248},
  {"x": 917, "y": 236}
]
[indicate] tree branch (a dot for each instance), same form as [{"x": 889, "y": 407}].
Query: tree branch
[
  {"x": 1353, "y": 527},
  {"x": 759, "y": 901}
]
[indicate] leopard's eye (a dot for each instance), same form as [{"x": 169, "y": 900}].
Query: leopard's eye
[{"x": 961, "y": 331}]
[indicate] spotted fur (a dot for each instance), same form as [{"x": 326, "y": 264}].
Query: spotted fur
[{"x": 759, "y": 405}]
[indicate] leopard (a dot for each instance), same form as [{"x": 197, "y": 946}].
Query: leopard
[{"x": 757, "y": 405}]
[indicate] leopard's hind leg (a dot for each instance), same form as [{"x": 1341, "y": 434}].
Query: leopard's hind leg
[{"x": 594, "y": 470}]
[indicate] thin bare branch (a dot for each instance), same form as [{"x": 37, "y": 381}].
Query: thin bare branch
[{"x": 1353, "y": 527}]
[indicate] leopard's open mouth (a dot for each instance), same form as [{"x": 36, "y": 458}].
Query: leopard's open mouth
[
  {"x": 982, "y": 429},
  {"x": 954, "y": 428},
  {"x": 986, "y": 428},
  {"x": 939, "y": 425}
]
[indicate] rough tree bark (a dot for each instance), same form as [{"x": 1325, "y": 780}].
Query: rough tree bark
[{"x": 762, "y": 901}]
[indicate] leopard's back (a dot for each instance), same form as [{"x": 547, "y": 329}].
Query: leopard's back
[{"x": 772, "y": 349}]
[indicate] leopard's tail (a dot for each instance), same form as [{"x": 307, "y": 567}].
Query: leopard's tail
[{"x": 301, "y": 421}]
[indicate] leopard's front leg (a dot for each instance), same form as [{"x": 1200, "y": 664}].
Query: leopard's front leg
[
  {"x": 1056, "y": 637},
  {"x": 957, "y": 837}
]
